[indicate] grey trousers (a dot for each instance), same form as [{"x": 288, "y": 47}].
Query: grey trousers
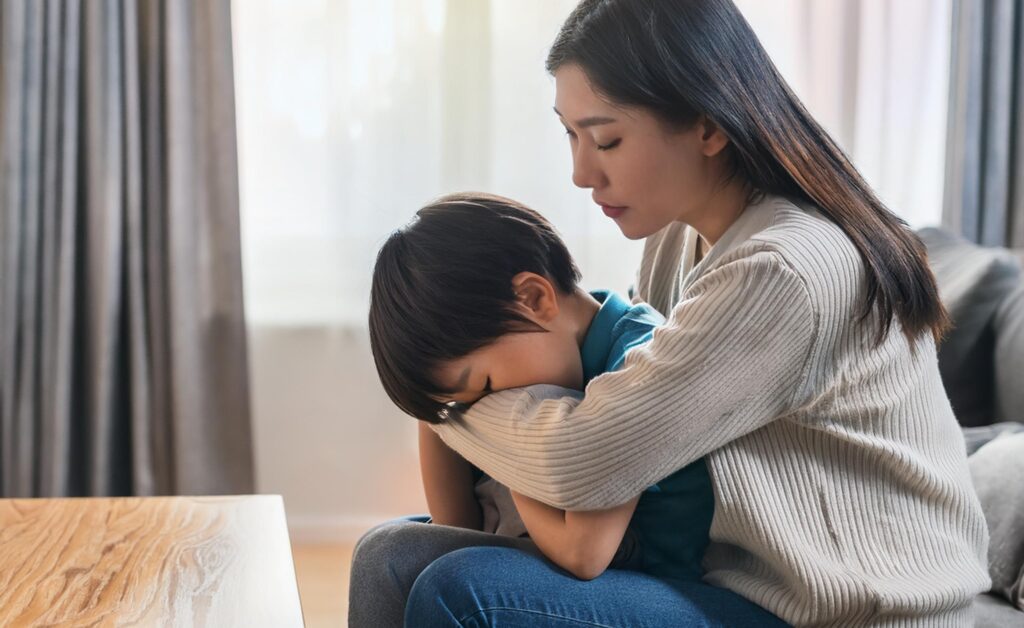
[{"x": 388, "y": 559}]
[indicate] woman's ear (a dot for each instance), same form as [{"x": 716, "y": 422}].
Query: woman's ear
[
  {"x": 712, "y": 138},
  {"x": 537, "y": 295}
]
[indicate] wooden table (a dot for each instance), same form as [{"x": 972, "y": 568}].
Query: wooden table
[{"x": 147, "y": 561}]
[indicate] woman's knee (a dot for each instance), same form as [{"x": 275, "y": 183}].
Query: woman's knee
[
  {"x": 381, "y": 553},
  {"x": 383, "y": 569}
]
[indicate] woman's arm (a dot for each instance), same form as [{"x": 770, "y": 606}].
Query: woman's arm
[
  {"x": 448, "y": 483},
  {"x": 732, "y": 357},
  {"x": 581, "y": 542}
]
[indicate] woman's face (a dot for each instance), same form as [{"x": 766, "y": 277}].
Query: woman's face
[{"x": 643, "y": 174}]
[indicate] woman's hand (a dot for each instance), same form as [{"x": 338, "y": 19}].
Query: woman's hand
[
  {"x": 581, "y": 542},
  {"x": 447, "y": 483}
]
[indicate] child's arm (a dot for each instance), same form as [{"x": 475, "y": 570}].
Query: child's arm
[
  {"x": 447, "y": 483},
  {"x": 582, "y": 543}
]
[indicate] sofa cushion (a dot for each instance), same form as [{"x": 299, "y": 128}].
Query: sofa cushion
[
  {"x": 996, "y": 470},
  {"x": 991, "y": 611},
  {"x": 976, "y": 437},
  {"x": 1008, "y": 326},
  {"x": 973, "y": 281}
]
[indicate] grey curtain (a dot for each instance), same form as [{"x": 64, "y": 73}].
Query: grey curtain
[
  {"x": 984, "y": 195},
  {"x": 123, "y": 364}
]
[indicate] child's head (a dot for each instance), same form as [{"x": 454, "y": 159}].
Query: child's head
[{"x": 475, "y": 294}]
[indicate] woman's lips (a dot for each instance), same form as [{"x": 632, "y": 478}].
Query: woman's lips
[{"x": 612, "y": 212}]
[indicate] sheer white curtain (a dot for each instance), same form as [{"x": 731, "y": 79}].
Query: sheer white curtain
[
  {"x": 353, "y": 114},
  {"x": 875, "y": 73}
]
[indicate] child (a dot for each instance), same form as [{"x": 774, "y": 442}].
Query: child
[{"x": 479, "y": 294}]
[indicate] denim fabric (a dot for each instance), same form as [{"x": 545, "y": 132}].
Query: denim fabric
[{"x": 442, "y": 576}]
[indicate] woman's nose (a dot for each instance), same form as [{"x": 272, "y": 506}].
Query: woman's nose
[{"x": 585, "y": 172}]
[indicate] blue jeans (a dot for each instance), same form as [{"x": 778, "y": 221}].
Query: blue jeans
[{"x": 446, "y": 576}]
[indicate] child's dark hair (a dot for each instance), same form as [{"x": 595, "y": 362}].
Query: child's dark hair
[{"x": 442, "y": 288}]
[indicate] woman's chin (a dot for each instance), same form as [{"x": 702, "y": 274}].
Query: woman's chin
[{"x": 635, "y": 232}]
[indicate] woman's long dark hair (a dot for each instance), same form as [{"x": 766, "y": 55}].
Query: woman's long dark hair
[{"x": 681, "y": 59}]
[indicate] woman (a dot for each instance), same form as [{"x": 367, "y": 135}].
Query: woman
[{"x": 799, "y": 357}]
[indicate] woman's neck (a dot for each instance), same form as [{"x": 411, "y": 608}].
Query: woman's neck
[{"x": 723, "y": 207}]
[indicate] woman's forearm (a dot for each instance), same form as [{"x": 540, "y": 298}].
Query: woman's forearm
[
  {"x": 447, "y": 483},
  {"x": 555, "y": 445},
  {"x": 582, "y": 543}
]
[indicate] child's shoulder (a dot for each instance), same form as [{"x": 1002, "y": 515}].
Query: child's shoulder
[
  {"x": 636, "y": 327},
  {"x": 640, "y": 319}
]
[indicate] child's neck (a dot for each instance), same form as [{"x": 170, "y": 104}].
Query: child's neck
[{"x": 581, "y": 308}]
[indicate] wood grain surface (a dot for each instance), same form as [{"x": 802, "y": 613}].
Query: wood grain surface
[{"x": 147, "y": 561}]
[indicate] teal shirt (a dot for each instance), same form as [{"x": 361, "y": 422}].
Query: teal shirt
[{"x": 669, "y": 530}]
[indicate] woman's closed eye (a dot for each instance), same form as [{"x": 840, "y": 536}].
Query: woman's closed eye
[{"x": 610, "y": 145}]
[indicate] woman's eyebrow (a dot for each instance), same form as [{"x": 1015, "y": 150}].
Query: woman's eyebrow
[{"x": 588, "y": 122}]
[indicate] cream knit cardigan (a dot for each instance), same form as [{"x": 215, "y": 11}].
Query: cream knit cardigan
[{"x": 842, "y": 495}]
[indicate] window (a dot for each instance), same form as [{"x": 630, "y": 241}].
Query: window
[{"x": 353, "y": 114}]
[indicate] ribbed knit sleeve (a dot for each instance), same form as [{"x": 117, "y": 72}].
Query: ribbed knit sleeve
[{"x": 732, "y": 357}]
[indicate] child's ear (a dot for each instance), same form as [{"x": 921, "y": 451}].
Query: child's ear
[{"x": 538, "y": 295}]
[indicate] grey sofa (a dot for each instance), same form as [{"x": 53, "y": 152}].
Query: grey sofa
[{"x": 982, "y": 364}]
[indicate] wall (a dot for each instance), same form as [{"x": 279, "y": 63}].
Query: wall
[{"x": 327, "y": 437}]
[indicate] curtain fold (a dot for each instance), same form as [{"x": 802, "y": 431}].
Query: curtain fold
[
  {"x": 984, "y": 200},
  {"x": 123, "y": 358},
  {"x": 875, "y": 74}
]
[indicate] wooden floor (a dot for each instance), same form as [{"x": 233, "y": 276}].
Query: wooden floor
[{"x": 322, "y": 571}]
